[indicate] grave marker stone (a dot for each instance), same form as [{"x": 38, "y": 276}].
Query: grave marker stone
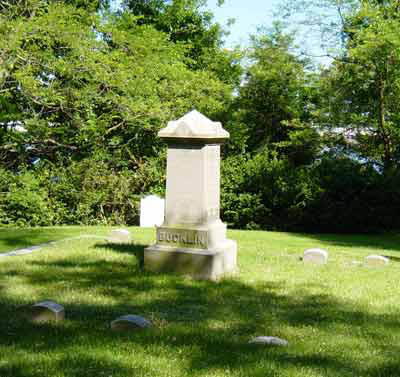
[
  {"x": 130, "y": 322},
  {"x": 376, "y": 260},
  {"x": 151, "y": 211},
  {"x": 192, "y": 240},
  {"x": 315, "y": 256},
  {"x": 269, "y": 341},
  {"x": 120, "y": 236},
  {"x": 47, "y": 311}
]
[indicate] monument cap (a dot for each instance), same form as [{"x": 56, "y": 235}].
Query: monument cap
[{"x": 194, "y": 127}]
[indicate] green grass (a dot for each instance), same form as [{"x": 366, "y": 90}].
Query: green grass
[
  {"x": 11, "y": 239},
  {"x": 340, "y": 319}
]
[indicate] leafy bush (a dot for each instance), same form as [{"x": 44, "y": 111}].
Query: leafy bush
[
  {"x": 257, "y": 192},
  {"x": 91, "y": 191},
  {"x": 332, "y": 195},
  {"x": 23, "y": 202}
]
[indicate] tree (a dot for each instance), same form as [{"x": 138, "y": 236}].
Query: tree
[
  {"x": 272, "y": 101},
  {"x": 188, "y": 24},
  {"x": 362, "y": 88},
  {"x": 81, "y": 85}
]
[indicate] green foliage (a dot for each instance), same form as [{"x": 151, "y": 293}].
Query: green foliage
[
  {"x": 187, "y": 23},
  {"x": 83, "y": 93},
  {"x": 362, "y": 88},
  {"x": 265, "y": 192},
  {"x": 89, "y": 84},
  {"x": 239, "y": 207},
  {"x": 272, "y": 100},
  {"x": 23, "y": 201},
  {"x": 88, "y": 192},
  {"x": 335, "y": 194}
]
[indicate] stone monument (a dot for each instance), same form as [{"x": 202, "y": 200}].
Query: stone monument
[
  {"x": 192, "y": 240},
  {"x": 151, "y": 211}
]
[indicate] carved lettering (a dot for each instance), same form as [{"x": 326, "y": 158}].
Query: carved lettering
[{"x": 183, "y": 237}]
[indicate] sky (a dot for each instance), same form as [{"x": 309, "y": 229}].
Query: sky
[{"x": 248, "y": 15}]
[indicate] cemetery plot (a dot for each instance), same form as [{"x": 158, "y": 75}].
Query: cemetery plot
[{"x": 338, "y": 320}]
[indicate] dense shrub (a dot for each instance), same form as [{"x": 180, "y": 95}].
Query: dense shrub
[
  {"x": 354, "y": 197},
  {"x": 257, "y": 192},
  {"x": 23, "y": 201},
  {"x": 85, "y": 192},
  {"x": 332, "y": 195}
]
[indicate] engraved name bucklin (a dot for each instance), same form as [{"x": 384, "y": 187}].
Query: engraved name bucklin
[{"x": 185, "y": 238}]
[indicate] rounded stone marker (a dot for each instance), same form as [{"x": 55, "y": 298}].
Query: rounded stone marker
[
  {"x": 376, "y": 260},
  {"x": 130, "y": 322},
  {"x": 269, "y": 341},
  {"x": 120, "y": 236},
  {"x": 316, "y": 256},
  {"x": 47, "y": 311}
]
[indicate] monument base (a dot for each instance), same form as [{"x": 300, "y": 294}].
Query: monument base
[{"x": 204, "y": 264}]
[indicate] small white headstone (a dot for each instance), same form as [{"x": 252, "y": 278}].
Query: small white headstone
[
  {"x": 120, "y": 236},
  {"x": 151, "y": 211},
  {"x": 47, "y": 311},
  {"x": 376, "y": 260},
  {"x": 269, "y": 340},
  {"x": 316, "y": 256},
  {"x": 130, "y": 322}
]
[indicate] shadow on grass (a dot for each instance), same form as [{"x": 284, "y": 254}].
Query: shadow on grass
[
  {"x": 11, "y": 239},
  {"x": 377, "y": 241},
  {"x": 134, "y": 249},
  {"x": 201, "y": 328}
]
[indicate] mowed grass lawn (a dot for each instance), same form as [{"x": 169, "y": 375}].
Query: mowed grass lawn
[
  {"x": 11, "y": 239},
  {"x": 341, "y": 319}
]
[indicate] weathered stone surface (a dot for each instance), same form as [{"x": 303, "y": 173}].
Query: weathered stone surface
[
  {"x": 192, "y": 240},
  {"x": 195, "y": 126},
  {"x": 47, "y": 311},
  {"x": 200, "y": 264},
  {"x": 315, "y": 256},
  {"x": 130, "y": 322},
  {"x": 269, "y": 341},
  {"x": 120, "y": 236},
  {"x": 376, "y": 260},
  {"x": 151, "y": 211}
]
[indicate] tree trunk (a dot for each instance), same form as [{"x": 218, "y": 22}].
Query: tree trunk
[{"x": 387, "y": 158}]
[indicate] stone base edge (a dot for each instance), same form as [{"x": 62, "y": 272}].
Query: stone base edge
[{"x": 210, "y": 264}]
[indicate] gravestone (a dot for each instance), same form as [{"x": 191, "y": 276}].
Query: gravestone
[
  {"x": 120, "y": 236},
  {"x": 315, "y": 256},
  {"x": 376, "y": 260},
  {"x": 269, "y": 341},
  {"x": 151, "y": 211},
  {"x": 130, "y": 322},
  {"x": 192, "y": 240},
  {"x": 47, "y": 311}
]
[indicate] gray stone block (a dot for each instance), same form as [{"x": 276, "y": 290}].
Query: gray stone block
[
  {"x": 130, "y": 322},
  {"x": 200, "y": 264},
  {"x": 47, "y": 311},
  {"x": 269, "y": 341},
  {"x": 120, "y": 236},
  {"x": 376, "y": 260},
  {"x": 315, "y": 256}
]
